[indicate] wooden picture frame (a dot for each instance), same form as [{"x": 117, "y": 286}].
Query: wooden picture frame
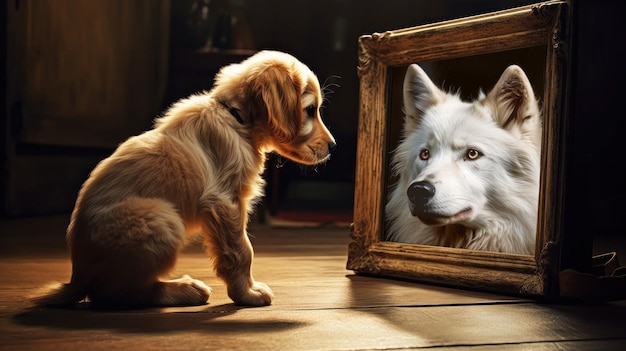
[{"x": 540, "y": 25}]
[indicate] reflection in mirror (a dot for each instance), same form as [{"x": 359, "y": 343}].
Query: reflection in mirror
[
  {"x": 466, "y": 136},
  {"x": 462, "y": 56}
]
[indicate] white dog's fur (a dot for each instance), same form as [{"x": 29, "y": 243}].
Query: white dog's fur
[
  {"x": 198, "y": 171},
  {"x": 468, "y": 172}
]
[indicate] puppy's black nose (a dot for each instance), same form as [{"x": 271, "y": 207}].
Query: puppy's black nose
[
  {"x": 331, "y": 147},
  {"x": 420, "y": 193}
]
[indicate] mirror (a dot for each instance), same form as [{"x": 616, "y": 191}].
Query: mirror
[
  {"x": 477, "y": 186},
  {"x": 463, "y": 56}
]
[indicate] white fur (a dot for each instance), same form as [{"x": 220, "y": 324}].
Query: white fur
[{"x": 487, "y": 203}]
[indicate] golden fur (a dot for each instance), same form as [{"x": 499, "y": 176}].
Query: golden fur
[{"x": 197, "y": 171}]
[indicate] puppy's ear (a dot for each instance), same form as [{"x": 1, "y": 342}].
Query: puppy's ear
[
  {"x": 513, "y": 100},
  {"x": 420, "y": 93},
  {"x": 277, "y": 101}
]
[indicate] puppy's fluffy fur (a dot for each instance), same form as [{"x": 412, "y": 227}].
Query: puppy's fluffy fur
[
  {"x": 468, "y": 171},
  {"x": 197, "y": 171}
]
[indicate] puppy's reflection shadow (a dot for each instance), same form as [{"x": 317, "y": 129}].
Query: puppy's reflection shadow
[{"x": 220, "y": 319}]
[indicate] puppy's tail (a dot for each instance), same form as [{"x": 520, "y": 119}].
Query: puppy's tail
[{"x": 58, "y": 295}]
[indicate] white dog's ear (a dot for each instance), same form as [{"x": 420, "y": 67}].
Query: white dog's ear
[
  {"x": 420, "y": 93},
  {"x": 513, "y": 100},
  {"x": 277, "y": 100}
]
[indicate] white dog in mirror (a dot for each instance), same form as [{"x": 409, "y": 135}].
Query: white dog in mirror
[
  {"x": 198, "y": 171},
  {"x": 468, "y": 172}
]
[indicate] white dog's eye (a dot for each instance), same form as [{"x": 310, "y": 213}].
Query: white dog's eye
[
  {"x": 424, "y": 154},
  {"x": 472, "y": 154},
  {"x": 310, "y": 111}
]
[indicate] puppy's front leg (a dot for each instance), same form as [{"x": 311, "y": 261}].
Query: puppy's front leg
[{"x": 227, "y": 241}]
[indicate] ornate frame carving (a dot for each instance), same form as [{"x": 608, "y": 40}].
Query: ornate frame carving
[{"x": 529, "y": 26}]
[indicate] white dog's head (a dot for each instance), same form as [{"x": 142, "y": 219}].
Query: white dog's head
[
  {"x": 469, "y": 163},
  {"x": 280, "y": 98}
]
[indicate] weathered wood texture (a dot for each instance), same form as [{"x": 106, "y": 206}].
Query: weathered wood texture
[
  {"x": 88, "y": 73},
  {"x": 540, "y": 25},
  {"x": 319, "y": 306}
]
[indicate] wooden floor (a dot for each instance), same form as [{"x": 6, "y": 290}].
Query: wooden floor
[{"x": 318, "y": 306}]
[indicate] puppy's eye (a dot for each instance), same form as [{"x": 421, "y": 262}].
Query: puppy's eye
[
  {"x": 472, "y": 154},
  {"x": 424, "y": 154},
  {"x": 310, "y": 111}
]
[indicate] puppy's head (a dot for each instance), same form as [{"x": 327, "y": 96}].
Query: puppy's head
[{"x": 280, "y": 98}]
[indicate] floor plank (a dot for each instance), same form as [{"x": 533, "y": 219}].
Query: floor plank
[
  {"x": 322, "y": 329},
  {"x": 319, "y": 305}
]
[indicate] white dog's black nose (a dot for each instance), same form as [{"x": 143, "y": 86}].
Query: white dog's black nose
[{"x": 420, "y": 193}]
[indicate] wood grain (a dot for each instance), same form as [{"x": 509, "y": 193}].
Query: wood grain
[
  {"x": 319, "y": 305},
  {"x": 539, "y": 25},
  {"x": 89, "y": 73}
]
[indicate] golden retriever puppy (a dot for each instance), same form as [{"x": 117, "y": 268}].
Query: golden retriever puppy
[{"x": 197, "y": 171}]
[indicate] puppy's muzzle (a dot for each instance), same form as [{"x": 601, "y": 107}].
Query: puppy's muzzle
[{"x": 331, "y": 147}]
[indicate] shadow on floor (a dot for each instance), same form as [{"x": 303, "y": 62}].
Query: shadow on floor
[{"x": 218, "y": 319}]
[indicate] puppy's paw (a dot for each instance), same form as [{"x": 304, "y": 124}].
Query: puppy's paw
[
  {"x": 184, "y": 292},
  {"x": 204, "y": 291},
  {"x": 258, "y": 295}
]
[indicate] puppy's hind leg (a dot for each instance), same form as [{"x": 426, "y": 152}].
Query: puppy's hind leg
[
  {"x": 138, "y": 241},
  {"x": 227, "y": 241}
]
